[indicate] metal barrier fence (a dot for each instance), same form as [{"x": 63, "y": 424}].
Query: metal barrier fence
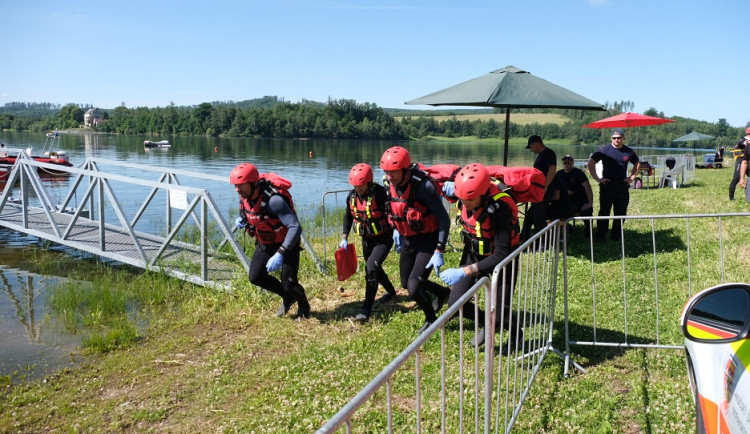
[
  {"x": 623, "y": 294},
  {"x": 332, "y": 223},
  {"x": 635, "y": 288},
  {"x": 500, "y": 378},
  {"x": 668, "y": 170}
]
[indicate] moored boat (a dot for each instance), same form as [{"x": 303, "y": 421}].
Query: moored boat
[
  {"x": 160, "y": 144},
  {"x": 50, "y": 155}
]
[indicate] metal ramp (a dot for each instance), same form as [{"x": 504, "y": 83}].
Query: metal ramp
[{"x": 193, "y": 241}]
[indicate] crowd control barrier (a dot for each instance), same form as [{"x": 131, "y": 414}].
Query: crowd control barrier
[{"x": 457, "y": 387}]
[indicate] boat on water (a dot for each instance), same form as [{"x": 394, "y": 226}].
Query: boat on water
[
  {"x": 51, "y": 154},
  {"x": 160, "y": 144}
]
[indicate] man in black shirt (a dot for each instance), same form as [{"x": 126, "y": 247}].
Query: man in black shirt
[
  {"x": 579, "y": 189},
  {"x": 546, "y": 162},
  {"x": 614, "y": 184}
]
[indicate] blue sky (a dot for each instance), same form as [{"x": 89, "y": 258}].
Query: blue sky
[{"x": 689, "y": 58}]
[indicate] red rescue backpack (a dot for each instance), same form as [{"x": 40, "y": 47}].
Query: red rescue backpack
[
  {"x": 441, "y": 173},
  {"x": 527, "y": 184},
  {"x": 277, "y": 181}
]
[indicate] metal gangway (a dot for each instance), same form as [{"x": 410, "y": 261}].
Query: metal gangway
[{"x": 192, "y": 240}]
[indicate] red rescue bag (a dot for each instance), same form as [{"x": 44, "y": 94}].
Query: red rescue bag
[
  {"x": 526, "y": 184},
  {"x": 441, "y": 173},
  {"x": 346, "y": 262},
  {"x": 277, "y": 181}
]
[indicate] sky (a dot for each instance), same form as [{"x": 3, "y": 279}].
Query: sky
[{"x": 686, "y": 58}]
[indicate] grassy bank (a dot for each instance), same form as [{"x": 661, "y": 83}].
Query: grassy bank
[{"x": 214, "y": 361}]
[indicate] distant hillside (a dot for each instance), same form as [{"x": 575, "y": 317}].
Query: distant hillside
[
  {"x": 516, "y": 118},
  {"x": 399, "y": 112},
  {"x": 34, "y": 110}
]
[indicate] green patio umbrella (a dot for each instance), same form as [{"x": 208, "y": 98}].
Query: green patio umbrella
[
  {"x": 508, "y": 88},
  {"x": 693, "y": 137}
]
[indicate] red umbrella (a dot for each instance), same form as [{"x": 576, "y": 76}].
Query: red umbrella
[{"x": 627, "y": 120}]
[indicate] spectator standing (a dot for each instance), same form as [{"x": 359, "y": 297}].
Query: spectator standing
[
  {"x": 614, "y": 184},
  {"x": 267, "y": 213},
  {"x": 740, "y": 146},
  {"x": 366, "y": 211},
  {"x": 744, "y": 165},
  {"x": 545, "y": 162},
  {"x": 416, "y": 211}
]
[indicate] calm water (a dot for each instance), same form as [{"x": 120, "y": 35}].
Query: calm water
[{"x": 32, "y": 345}]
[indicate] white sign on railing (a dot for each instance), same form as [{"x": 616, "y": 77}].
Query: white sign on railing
[{"x": 178, "y": 199}]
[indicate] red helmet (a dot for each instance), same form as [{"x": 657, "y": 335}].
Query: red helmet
[
  {"x": 747, "y": 131},
  {"x": 361, "y": 174},
  {"x": 244, "y": 172},
  {"x": 395, "y": 158},
  {"x": 472, "y": 181}
]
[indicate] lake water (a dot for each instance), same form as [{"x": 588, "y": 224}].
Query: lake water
[{"x": 32, "y": 345}]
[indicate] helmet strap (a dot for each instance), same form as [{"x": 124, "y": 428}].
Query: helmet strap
[{"x": 254, "y": 191}]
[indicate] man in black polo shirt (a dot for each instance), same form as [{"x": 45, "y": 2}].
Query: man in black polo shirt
[
  {"x": 546, "y": 162},
  {"x": 614, "y": 183}
]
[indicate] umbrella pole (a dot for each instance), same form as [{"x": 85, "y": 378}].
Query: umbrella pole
[{"x": 507, "y": 131}]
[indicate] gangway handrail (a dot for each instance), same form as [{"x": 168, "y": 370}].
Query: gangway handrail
[
  {"x": 25, "y": 217},
  {"x": 158, "y": 169}
]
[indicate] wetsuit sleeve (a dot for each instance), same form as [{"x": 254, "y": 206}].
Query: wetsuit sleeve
[
  {"x": 428, "y": 195},
  {"x": 277, "y": 206},
  {"x": 348, "y": 218},
  {"x": 381, "y": 200},
  {"x": 501, "y": 221}
]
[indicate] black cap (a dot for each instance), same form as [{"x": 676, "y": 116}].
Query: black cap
[
  {"x": 534, "y": 139},
  {"x": 567, "y": 157}
]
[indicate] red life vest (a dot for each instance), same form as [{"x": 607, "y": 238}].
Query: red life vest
[
  {"x": 477, "y": 227},
  {"x": 267, "y": 228},
  {"x": 370, "y": 221},
  {"x": 408, "y": 216}
]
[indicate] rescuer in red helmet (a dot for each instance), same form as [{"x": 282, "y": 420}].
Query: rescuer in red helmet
[
  {"x": 267, "y": 213},
  {"x": 416, "y": 211},
  {"x": 490, "y": 232},
  {"x": 366, "y": 211}
]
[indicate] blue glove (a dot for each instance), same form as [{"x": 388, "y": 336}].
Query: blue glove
[
  {"x": 436, "y": 262},
  {"x": 240, "y": 222},
  {"x": 344, "y": 243},
  {"x": 397, "y": 241},
  {"x": 452, "y": 276},
  {"x": 275, "y": 262},
  {"x": 448, "y": 187}
]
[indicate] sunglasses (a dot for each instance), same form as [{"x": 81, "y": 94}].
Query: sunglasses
[
  {"x": 617, "y": 138},
  {"x": 567, "y": 161}
]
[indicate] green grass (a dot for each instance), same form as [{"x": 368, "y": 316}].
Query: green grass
[{"x": 218, "y": 361}]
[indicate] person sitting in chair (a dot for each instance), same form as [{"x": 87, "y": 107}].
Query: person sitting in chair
[{"x": 578, "y": 189}]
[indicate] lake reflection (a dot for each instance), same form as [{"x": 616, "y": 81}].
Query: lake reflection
[
  {"x": 313, "y": 166},
  {"x": 31, "y": 343}
]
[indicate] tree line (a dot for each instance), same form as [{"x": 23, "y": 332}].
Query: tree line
[{"x": 346, "y": 119}]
